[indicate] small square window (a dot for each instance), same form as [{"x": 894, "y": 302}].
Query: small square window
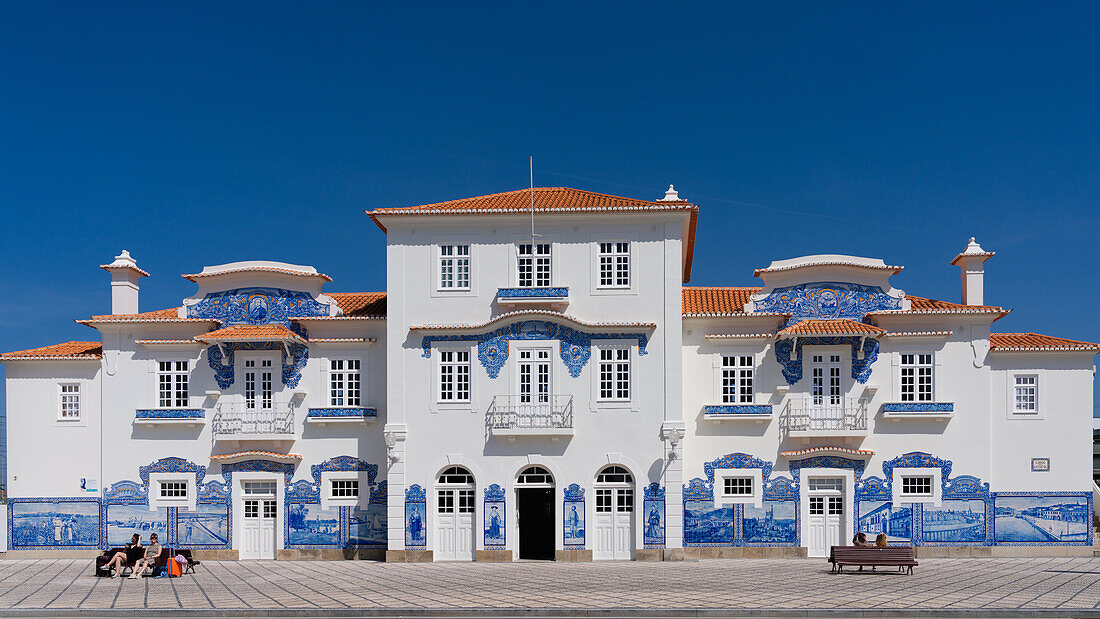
[
  {"x": 737, "y": 486},
  {"x": 345, "y": 488},
  {"x": 173, "y": 489},
  {"x": 916, "y": 485}
]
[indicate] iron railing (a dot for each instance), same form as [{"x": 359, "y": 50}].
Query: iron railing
[
  {"x": 238, "y": 419},
  {"x": 513, "y": 412},
  {"x": 824, "y": 414}
]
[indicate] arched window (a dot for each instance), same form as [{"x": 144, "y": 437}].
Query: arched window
[
  {"x": 614, "y": 474},
  {"x": 456, "y": 476},
  {"x": 535, "y": 476}
]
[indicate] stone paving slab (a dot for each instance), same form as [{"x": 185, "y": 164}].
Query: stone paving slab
[{"x": 940, "y": 587}]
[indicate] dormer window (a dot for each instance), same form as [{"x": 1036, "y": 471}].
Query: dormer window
[{"x": 533, "y": 265}]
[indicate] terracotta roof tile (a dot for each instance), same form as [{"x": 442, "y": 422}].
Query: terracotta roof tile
[
  {"x": 840, "y": 326},
  {"x": 550, "y": 200},
  {"x": 715, "y": 301},
  {"x": 1010, "y": 342},
  {"x": 68, "y": 350},
  {"x": 360, "y": 303},
  {"x": 250, "y": 333},
  {"x": 170, "y": 314}
]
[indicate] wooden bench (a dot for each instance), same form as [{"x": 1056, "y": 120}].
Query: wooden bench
[
  {"x": 191, "y": 561},
  {"x": 901, "y": 557}
]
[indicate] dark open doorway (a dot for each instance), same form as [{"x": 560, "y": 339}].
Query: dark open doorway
[{"x": 536, "y": 523}]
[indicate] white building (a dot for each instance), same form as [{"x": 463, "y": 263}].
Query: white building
[{"x": 546, "y": 387}]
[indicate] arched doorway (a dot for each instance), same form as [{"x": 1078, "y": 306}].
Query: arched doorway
[
  {"x": 614, "y": 514},
  {"x": 454, "y": 515},
  {"x": 535, "y": 511}
]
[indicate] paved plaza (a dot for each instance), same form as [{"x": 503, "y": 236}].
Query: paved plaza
[{"x": 993, "y": 587}]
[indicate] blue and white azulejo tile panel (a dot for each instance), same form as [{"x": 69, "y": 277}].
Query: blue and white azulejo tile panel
[
  {"x": 1026, "y": 519},
  {"x": 310, "y": 526},
  {"x": 773, "y": 524},
  {"x": 876, "y": 517},
  {"x": 54, "y": 523},
  {"x": 206, "y": 527},
  {"x": 125, "y": 521}
]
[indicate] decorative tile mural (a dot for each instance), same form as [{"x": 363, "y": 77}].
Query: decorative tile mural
[
  {"x": 367, "y": 526},
  {"x": 309, "y": 525},
  {"x": 1042, "y": 518},
  {"x": 206, "y": 527},
  {"x": 256, "y": 306},
  {"x": 876, "y": 517},
  {"x": 124, "y": 521},
  {"x": 954, "y": 521},
  {"x": 575, "y": 346},
  {"x": 707, "y": 525},
  {"x": 827, "y": 300},
  {"x": 416, "y": 520},
  {"x": 53, "y": 522},
  {"x": 573, "y": 517},
  {"x": 496, "y": 528},
  {"x": 774, "y": 524},
  {"x": 653, "y": 516}
]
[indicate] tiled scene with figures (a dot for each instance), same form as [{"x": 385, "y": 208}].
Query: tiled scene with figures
[{"x": 564, "y": 396}]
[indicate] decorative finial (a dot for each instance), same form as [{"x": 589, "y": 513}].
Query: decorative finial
[{"x": 670, "y": 195}]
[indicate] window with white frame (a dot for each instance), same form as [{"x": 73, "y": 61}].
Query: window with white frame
[
  {"x": 344, "y": 382},
  {"x": 454, "y": 376},
  {"x": 916, "y": 485},
  {"x": 173, "y": 489},
  {"x": 615, "y": 373},
  {"x": 917, "y": 371},
  {"x": 533, "y": 265},
  {"x": 614, "y": 259},
  {"x": 172, "y": 377},
  {"x": 737, "y": 379},
  {"x": 737, "y": 486},
  {"x": 1025, "y": 394},
  {"x": 344, "y": 488},
  {"x": 69, "y": 404},
  {"x": 454, "y": 267}
]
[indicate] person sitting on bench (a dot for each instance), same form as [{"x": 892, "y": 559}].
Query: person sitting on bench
[
  {"x": 860, "y": 540},
  {"x": 126, "y": 556},
  {"x": 152, "y": 553},
  {"x": 880, "y": 541}
]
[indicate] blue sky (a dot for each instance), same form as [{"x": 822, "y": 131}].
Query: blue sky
[{"x": 200, "y": 133}]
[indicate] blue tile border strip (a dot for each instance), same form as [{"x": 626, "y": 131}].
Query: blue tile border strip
[
  {"x": 170, "y": 413},
  {"x": 533, "y": 293},
  {"x": 363, "y": 412},
  {"x": 918, "y": 407},
  {"x": 738, "y": 409}
]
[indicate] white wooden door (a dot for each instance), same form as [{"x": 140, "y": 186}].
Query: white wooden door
[
  {"x": 258, "y": 529},
  {"x": 614, "y": 523},
  {"x": 454, "y": 525},
  {"x": 826, "y": 403},
  {"x": 826, "y": 516}
]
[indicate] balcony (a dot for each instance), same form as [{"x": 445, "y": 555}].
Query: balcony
[
  {"x": 809, "y": 417},
  {"x": 170, "y": 416},
  {"x": 513, "y": 416},
  {"x": 342, "y": 414},
  {"x": 234, "y": 421},
  {"x": 549, "y": 296},
  {"x": 757, "y": 413}
]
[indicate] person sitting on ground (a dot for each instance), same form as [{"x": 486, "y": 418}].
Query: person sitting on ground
[
  {"x": 880, "y": 541},
  {"x": 860, "y": 540},
  {"x": 152, "y": 553},
  {"x": 126, "y": 555}
]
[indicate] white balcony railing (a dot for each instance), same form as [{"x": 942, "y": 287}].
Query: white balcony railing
[
  {"x": 824, "y": 416},
  {"x": 237, "y": 420},
  {"x": 513, "y": 415}
]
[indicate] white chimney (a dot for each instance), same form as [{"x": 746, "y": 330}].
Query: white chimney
[
  {"x": 124, "y": 283},
  {"x": 670, "y": 196},
  {"x": 972, "y": 266}
]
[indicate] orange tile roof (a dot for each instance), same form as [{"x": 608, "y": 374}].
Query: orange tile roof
[
  {"x": 550, "y": 200},
  {"x": 1019, "y": 342},
  {"x": 250, "y": 333},
  {"x": 922, "y": 305},
  {"x": 840, "y": 326},
  {"x": 714, "y": 301},
  {"x": 360, "y": 303},
  {"x": 68, "y": 350},
  {"x": 170, "y": 314}
]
